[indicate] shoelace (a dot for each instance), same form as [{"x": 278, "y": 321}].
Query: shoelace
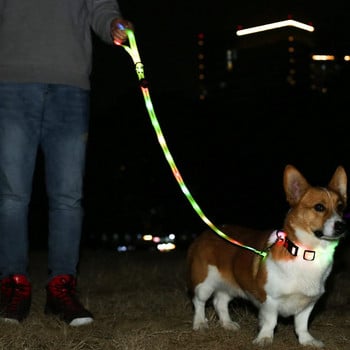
[{"x": 66, "y": 296}]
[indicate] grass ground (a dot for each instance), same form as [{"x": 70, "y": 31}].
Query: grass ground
[{"x": 139, "y": 302}]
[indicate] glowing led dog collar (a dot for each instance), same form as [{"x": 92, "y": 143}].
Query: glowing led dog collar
[{"x": 292, "y": 248}]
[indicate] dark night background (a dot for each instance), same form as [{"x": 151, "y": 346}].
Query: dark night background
[{"x": 231, "y": 149}]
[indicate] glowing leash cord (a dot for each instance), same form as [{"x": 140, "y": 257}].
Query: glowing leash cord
[{"x": 133, "y": 52}]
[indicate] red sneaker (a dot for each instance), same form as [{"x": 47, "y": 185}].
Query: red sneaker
[
  {"x": 62, "y": 300},
  {"x": 15, "y": 298}
]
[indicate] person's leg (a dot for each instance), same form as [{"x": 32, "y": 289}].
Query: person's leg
[
  {"x": 20, "y": 117},
  {"x": 64, "y": 139}
]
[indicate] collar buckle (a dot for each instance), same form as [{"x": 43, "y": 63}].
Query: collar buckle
[{"x": 291, "y": 247}]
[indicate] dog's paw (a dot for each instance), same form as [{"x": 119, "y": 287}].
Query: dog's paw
[
  {"x": 263, "y": 341},
  {"x": 312, "y": 342},
  {"x": 230, "y": 325},
  {"x": 200, "y": 325}
]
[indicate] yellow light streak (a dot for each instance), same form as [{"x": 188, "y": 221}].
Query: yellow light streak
[{"x": 323, "y": 57}]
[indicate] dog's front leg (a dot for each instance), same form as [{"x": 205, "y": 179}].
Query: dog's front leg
[
  {"x": 268, "y": 315},
  {"x": 301, "y": 328}
]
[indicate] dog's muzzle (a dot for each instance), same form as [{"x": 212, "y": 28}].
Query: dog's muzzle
[{"x": 340, "y": 230}]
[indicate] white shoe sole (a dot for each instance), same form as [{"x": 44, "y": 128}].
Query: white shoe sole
[
  {"x": 9, "y": 320},
  {"x": 81, "y": 321}
]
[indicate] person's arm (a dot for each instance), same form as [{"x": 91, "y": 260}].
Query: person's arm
[{"x": 106, "y": 19}]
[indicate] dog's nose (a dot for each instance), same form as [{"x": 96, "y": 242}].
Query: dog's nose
[{"x": 340, "y": 227}]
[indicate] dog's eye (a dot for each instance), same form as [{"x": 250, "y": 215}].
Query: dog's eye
[{"x": 319, "y": 207}]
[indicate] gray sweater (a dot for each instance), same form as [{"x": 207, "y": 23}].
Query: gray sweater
[{"x": 49, "y": 41}]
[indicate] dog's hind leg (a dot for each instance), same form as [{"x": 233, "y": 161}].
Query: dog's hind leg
[
  {"x": 221, "y": 301},
  {"x": 202, "y": 293}
]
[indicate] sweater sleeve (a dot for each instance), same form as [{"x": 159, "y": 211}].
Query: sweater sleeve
[{"x": 102, "y": 13}]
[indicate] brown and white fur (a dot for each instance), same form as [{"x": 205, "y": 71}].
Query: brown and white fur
[{"x": 291, "y": 279}]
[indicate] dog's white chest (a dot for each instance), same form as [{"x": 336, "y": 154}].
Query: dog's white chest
[{"x": 294, "y": 284}]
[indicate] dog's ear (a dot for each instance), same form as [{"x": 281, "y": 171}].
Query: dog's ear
[
  {"x": 338, "y": 183},
  {"x": 295, "y": 185}
]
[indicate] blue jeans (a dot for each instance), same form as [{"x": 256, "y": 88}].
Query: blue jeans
[{"x": 55, "y": 118}]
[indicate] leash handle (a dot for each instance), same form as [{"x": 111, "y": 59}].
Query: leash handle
[{"x": 132, "y": 50}]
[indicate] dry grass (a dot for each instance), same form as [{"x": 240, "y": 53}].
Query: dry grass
[{"x": 139, "y": 301}]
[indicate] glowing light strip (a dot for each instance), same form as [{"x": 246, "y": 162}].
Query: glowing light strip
[
  {"x": 275, "y": 25},
  {"x": 133, "y": 52}
]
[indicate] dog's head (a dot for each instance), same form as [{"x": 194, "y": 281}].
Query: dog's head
[{"x": 316, "y": 213}]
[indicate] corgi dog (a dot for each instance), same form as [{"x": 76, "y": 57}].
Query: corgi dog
[{"x": 290, "y": 278}]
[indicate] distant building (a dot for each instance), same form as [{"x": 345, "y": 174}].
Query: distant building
[{"x": 270, "y": 59}]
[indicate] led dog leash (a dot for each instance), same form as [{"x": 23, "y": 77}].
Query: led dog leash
[{"x": 133, "y": 52}]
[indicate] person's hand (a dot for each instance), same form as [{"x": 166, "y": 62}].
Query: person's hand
[{"x": 118, "y": 33}]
